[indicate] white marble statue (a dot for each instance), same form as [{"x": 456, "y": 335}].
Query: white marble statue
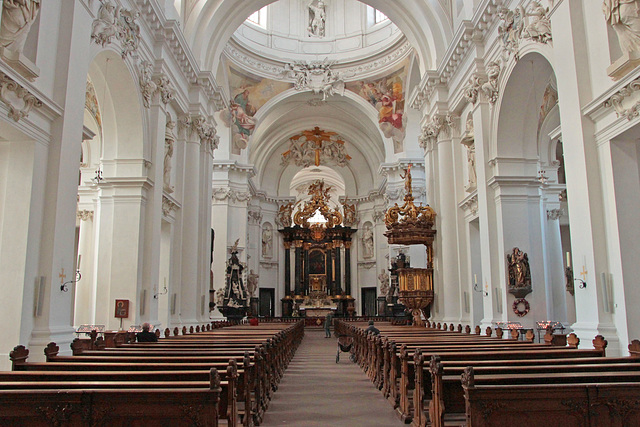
[
  {"x": 267, "y": 242},
  {"x": 317, "y": 18},
  {"x": 383, "y": 278},
  {"x": 169, "y": 139},
  {"x": 367, "y": 242},
  {"x": 624, "y": 17},
  {"x": 468, "y": 141},
  {"x": 252, "y": 283},
  {"x": 17, "y": 18}
]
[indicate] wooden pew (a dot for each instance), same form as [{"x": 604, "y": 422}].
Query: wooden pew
[
  {"x": 568, "y": 399},
  {"x": 122, "y": 407}
]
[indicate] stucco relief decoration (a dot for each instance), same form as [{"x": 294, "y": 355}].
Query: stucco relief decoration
[
  {"x": 169, "y": 140},
  {"x": 316, "y": 146},
  {"x": 114, "y": 21},
  {"x": 472, "y": 89},
  {"x": 349, "y": 214},
  {"x": 626, "y": 102},
  {"x": 519, "y": 273},
  {"x": 168, "y": 206},
  {"x": 317, "y": 11},
  {"x": 283, "y": 219},
  {"x": 84, "y": 215},
  {"x": 387, "y": 96},
  {"x": 91, "y": 103},
  {"x": 18, "y": 99},
  {"x": 532, "y": 23},
  {"x": 316, "y": 76},
  {"x": 437, "y": 124},
  {"x": 468, "y": 140},
  {"x": 249, "y": 92},
  {"x": 164, "y": 87},
  {"x": 623, "y": 17},
  {"x": 492, "y": 87},
  {"x": 267, "y": 241}
]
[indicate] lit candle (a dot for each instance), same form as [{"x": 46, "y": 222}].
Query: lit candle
[
  {"x": 475, "y": 279},
  {"x": 568, "y": 259}
]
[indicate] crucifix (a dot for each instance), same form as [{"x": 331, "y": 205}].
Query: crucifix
[
  {"x": 583, "y": 273},
  {"x": 62, "y": 276}
]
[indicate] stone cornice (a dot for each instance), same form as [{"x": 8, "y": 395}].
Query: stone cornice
[
  {"x": 230, "y": 165},
  {"x": 269, "y": 68},
  {"x": 468, "y": 33},
  {"x": 170, "y": 34}
]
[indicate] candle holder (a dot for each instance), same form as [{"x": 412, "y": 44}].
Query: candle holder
[
  {"x": 164, "y": 292},
  {"x": 477, "y": 289},
  {"x": 582, "y": 284},
  {"x": 65, "y": 288}
]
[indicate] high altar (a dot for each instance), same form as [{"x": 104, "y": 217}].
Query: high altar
[{"x": 318, "y": 248}]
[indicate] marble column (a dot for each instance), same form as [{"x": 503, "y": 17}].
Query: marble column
[
  {"x": 287, "y": 268},
  {"x": 347, "y": 267}
]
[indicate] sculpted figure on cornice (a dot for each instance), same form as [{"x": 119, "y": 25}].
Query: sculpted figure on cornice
[
  {"x": 537, "y": 24},
  {"x": 169, "y": 139},
  {"x": 283, "y": 219},
  {"x": 317, "y": 18},
  {"x": 491, "y": 88},
  {"x": 113, "y": 21},
  {"x": 531, "y": 23},
  {"x": 624, "y": 18},
  {"x": 17, "y": 18},
  {"x": 350, "y": 215},
  {"x": 316, "y": 76}
]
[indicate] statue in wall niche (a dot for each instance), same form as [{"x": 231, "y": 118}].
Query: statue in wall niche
[
  {"x": 267, "y": 241},
  {"x": 317, "y": 18},
  {"x": 624, "y": 17},
  {"x": 537, "y": 23},
  {"x": 17, "y": 18},
  {"x": 519, "y": 273},
  {"x": 367, "y": 242},
  {"x": 169, "y": 139},
  {"x": 468, "y": 140},
  {"x": 252, "y": 283}
]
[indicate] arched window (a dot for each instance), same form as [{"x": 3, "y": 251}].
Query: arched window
[{"x": 259, "y": 17}]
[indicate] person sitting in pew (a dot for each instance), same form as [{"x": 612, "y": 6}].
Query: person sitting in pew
[
  {"x": 146, "y": 335},
  {"x": 372, "y": 329}
]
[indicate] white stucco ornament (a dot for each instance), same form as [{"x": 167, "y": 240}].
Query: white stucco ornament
[
  {"x": 18, "y": 99},
  {"x": 316, "y": 76}
]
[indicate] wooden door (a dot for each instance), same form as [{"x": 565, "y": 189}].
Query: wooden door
[
  {"x": 369, "y": 301},
  {"x": 267, "y": 302}
]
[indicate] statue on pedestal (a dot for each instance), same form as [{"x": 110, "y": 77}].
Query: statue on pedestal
[{"x": 234, "y": 304}]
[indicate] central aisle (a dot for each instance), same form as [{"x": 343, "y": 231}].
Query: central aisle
[{"x": 315, "y": 391}]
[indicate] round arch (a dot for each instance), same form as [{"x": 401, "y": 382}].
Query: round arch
[{"x": 212, "y": 22}]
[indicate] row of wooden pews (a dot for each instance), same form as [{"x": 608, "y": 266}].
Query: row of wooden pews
[
  {"x": 217, "y": 376},
  {"x": 442, "y": 376}
]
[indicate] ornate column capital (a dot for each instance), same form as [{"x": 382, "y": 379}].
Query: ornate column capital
[
  {"x": 197, "y": 124},
  {"x": 439, "y": 124}
]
